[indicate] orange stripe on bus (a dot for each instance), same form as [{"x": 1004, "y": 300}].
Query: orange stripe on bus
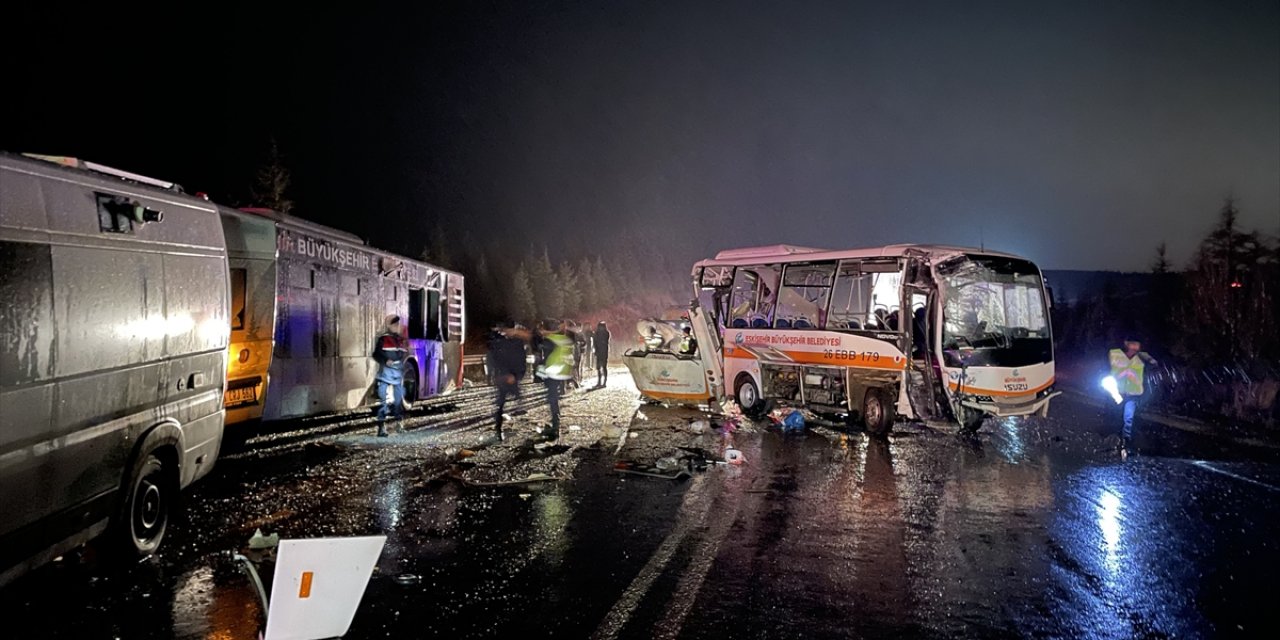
[
  {"x": 994, "y": 392},
  {"x": 885, "y": 363},
  {"x": 669, "y": 395}
]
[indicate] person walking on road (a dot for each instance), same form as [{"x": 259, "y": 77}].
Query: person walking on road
[
  {"x": 390, "y": 350},
  {"x": 600, "y": 344},
  {"x": 555, "y": 365},
  {"x": 1128, "y": 368},
  {"x": 506, "y": 368}
]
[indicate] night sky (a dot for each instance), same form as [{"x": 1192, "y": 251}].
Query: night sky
[{"x": 1080, "y": 136}]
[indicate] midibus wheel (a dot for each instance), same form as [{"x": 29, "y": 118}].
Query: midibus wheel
[
  {"x": 150, "y": 494},
  {"x": 748, "y": 396},
  {"x": 877, "y": 412},
  {"x": 970, "y": 419}
]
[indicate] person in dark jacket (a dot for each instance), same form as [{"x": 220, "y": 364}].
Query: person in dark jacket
[
  {"x": 600, "y": 344},
  {"x": 506, "y": 368},
  {"x": 390, "y": 351}
]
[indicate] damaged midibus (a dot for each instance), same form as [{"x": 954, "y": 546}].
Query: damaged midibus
[{"x": 938, "y": 334}]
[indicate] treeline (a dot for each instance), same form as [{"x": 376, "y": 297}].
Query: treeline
[
  {"x": 531, "y": 285},
  {"x": 1220, "y": 308},
  {"x": 1214, "y": 325}
]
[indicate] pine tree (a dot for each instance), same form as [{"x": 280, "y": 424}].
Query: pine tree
[
  {"x": 523, "y": 306},
  {"x": 437, "y": 251},
  {"x": 606, "y": 290},
  {"x": 482, "y": 289},
  {"x": 546, "y": 291},
  {"x": 1223, "y": 291},
  {"x": 271, "y": 182},
  {"x": 1161, "y": 263},
  {"x": 570, "y": 291},
  {"x": 587, "y": 285}
]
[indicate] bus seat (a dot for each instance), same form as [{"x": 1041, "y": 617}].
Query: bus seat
[
  {"x": 853, "y": 324},
  {"x": 782, "y": 323},
  {"x": 739, "y": 323},
  {"x": 759, "y": 323},
  {"x": 803, "y": 323}
]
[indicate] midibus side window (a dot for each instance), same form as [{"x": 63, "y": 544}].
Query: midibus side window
[
  {"x": 238, "y": 279},
  {"x": 755, "y": 291},
  {"x": 434, "y": 331},
  {"x": 714, "y": 286},
  {"x": 866, "y": 296},
  {"x": 417, "y": 321},
  {"x": 802, "y": 302}
]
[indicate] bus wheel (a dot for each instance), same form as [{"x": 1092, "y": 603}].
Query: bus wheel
[
  {"x": 970, "y": 419},
  {"x": 748, "y": 396},
  {"x": 410, "y": 381},
  {"x": 149, "y": 501},
  {"x": 877, "y": 412}
]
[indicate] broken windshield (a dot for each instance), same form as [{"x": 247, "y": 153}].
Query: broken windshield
[{"x": 994, "y": 313}]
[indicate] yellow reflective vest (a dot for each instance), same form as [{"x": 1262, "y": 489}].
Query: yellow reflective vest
[
  {"x": 1128, "y": 372},
  {"x": 559, "y": 363}
]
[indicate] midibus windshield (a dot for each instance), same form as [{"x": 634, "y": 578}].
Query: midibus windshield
[{"x": 994, "y": 313}]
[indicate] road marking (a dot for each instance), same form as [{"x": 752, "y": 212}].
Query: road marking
[
  {"x": 1205, "y": 465},
  {"x": 694, "y": 575},
  {"x": 693, "y": 513}
]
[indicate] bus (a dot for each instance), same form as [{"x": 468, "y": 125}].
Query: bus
[
  {"x": 113, "y": 343},
  {"x": 307, "y": 302},
  {"x": 931, "y": 333}
]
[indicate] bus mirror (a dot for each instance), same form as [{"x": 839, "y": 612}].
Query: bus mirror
[{"x": 1049, "y": 297}]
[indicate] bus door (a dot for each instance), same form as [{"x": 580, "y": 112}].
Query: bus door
[
  {"x": 919, "y": 301},
  {"x": 707, "y": 317},
  {"x": 713, "y": 289}
]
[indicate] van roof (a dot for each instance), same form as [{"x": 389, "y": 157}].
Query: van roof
[{"x": 85, "y": 165}]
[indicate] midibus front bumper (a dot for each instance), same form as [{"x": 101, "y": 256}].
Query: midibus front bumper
[{"x": 1024, "y": 406}]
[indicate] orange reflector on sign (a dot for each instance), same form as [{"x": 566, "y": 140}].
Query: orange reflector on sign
[{"x": 304, "y": 591}]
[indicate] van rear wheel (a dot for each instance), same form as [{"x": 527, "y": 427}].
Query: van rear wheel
[{"x": 150, "y": 493}]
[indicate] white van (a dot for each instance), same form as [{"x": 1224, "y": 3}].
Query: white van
[{"x": 114, "y": 331}]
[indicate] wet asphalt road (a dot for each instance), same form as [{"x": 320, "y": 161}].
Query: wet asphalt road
[{"x": 1033, "y": 528}]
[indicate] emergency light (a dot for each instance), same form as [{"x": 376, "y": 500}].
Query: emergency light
[{"x": 1109, "y": 383}]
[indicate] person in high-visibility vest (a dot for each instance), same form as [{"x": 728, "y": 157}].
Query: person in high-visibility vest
[
  {"x": 1128, "y": 368},
  {"x": 688, "y": 343},
  {"x": 555, "y": 365}
]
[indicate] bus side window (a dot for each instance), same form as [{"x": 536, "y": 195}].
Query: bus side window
[
  {"x": 866, "y": 296},
  {"x": 417, "y": 324},
  {"x": 755, "y": 292},
  {"x": 742, "y": 298},
  {"x": 433, "y": 316},
  {"x": 802, "y": 301}
]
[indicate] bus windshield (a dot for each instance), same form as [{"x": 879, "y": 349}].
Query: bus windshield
[{"x": 994, "y": 313}]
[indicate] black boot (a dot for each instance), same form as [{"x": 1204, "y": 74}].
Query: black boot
[{"x": 382, "y": 430}]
